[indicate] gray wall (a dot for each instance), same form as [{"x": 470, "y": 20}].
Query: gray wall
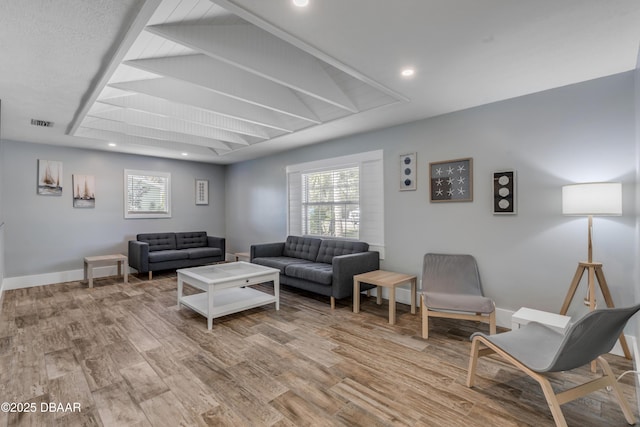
[
  {"x": 1, "y": 218},
  {"x": 579, "y": 133},
  {"x": 637, "y": 234},
  {"x": 45, "y": 234}
]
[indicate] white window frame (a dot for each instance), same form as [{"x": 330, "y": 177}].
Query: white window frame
[
  {"x": 371, "y": 166},
  {"x": 166, "y": 213}
]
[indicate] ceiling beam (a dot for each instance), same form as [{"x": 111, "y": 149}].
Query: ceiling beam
[
  {"x": 233, "y": 7},
  {"x": 186, "y": 93},
  {"x": 257, "y": 51},
  {"x": 153, "y": 121},
  {"x": 162, "y": 107},
  {"x": 151, "y": 133},
  {"x": 142, "y": 18},
  {"x": 128, "y": 140},
  {"x": 228, "y": 80}
]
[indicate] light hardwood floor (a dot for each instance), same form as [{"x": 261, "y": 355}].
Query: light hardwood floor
[{"x": 129, "y": 357}]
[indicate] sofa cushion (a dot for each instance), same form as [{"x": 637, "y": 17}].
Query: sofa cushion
[
  {"x": 335, "y": 247},
  {"x": 158, "y": 241},
  {"x": 301, "y": 247},
  {"x": 193, "y": 239},
  {"x": 195, "y": 253},
  {"x": 169, "y": 255},
  {"x": 318, "y": 272},
  {"x": 279, "y": 262}
]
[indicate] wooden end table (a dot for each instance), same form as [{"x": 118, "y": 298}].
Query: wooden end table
[
  {"x": 91, "y": 262},
  {"x": 244, "y": 255},
  {"x": 387, "y": 279}
]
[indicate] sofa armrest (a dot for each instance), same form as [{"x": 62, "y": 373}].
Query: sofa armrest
[
  {"x": 266, "y": 250},
  {"x": 217, "y": 242},
  {"x": 347, "y": 266},
  {"x": 139, "y": 256}
]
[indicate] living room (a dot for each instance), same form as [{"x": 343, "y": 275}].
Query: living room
[{"x": 582, "y": 132}]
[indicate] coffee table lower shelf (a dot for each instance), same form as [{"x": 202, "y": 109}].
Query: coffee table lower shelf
[{"x": 227, "y": 301}]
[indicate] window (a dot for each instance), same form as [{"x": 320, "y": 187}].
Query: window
[
  {"x": 330, "y": 202},
  {"x": 339, "y": 197},
  {"x": 147, "y": 194}
]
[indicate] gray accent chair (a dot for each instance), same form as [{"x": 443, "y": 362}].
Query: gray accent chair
[
  {"x": 537, "y": 349},
  {"x": 451, "y": 288}
]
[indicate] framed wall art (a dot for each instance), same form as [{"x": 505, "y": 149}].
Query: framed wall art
[
  {"x": 504, "y": 192},
  {"x": 408, "y": 172},
  {"x": 49, "y": 178},
  {"x": 202, "y": 192},
  {"x": 451, "y": 180},
  {"x": 84, "y": 191}
]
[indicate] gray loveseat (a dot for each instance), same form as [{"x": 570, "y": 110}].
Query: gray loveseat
[
  {"x": 322, "y": 266},
  {"x": 163, "y": 251}
]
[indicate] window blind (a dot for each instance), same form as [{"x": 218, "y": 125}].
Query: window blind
[
  {"x": 367, "y": 218},
  {"x": 330, "y": 202},
  {"x": 147, "y": 194}
]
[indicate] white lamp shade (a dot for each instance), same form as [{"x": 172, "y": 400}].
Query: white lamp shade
[{"x": 594, "y": 198}]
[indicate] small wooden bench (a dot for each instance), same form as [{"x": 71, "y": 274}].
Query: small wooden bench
[{"x": 91, "y": 262}]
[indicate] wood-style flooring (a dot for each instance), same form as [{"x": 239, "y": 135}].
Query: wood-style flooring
[{"x": 129, "y": 357}]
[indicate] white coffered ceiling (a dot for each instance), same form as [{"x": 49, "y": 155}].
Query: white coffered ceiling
[{"x": 229, "y": 80}]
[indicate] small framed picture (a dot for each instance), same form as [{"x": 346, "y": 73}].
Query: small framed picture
[
  {"x": 408, "y": 172},
  {"x": 504, "y": 192},
  {"x": 84, "y": 191},
  {"x": 451, "y": 180},
  {"x": 49, "y": 178},
  {"x": 202, "y": 192}
]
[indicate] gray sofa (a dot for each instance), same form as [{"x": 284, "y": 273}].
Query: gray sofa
[
  {"x": 163, "y": 251},
  {"x": 322, "y": 266}
]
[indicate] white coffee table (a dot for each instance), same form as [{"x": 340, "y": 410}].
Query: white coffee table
[
  {"x": 226, "y": 288},
  {"x": 526, "y": 315}
]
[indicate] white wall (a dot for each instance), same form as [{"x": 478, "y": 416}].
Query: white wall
[
  {"x": 579, "y": 133},
  {"x": 45, "y": 234}
]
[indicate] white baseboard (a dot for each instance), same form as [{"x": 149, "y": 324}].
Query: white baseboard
[{"x": 57, "y": 277}]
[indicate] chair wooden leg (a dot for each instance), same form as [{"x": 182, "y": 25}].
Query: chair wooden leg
[
  {"x": 624, "y": 405},
  {"x": 552, "y": 401},
  {"x": 473, "y": 362},
  {"x": 425, "y": 318},
  {"x": 492, "y": 323}
]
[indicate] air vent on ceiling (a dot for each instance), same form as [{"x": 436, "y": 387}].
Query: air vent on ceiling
[{"x": 42, "y": 123}]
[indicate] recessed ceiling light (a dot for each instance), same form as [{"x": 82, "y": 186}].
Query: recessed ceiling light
[
  {"x": 407, "y": 72},
  {"x": 185, "y": 154},
  {"x": 301, "y": 3},
  {"x": 112, "y": 144}
]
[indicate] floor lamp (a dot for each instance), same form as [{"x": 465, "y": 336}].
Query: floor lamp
[{"x": 600, "y": 199}]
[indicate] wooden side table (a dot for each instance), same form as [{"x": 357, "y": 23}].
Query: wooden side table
[
  {"x": 387, "y": 279},
  {"x": 243, "y": 255},
  {"x": 91, "y": 262}
]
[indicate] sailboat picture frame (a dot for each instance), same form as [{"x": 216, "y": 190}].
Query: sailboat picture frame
[
  {"x": 84, "y": 191},
  {"x": 49, "y": 178}
]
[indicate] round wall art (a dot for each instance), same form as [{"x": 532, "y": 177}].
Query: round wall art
[
  {"x": 504, "y": 192},
  {"x": 408, "y": 172}
]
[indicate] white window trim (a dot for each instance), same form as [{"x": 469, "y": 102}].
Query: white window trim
[
  {"x": 128, "y": 214},
  {"x": 371, "y": 193}
]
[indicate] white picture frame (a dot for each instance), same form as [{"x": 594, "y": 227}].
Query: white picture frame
[
  {"x": 408, "y": 172},
  {"x": 202, "y": 192}
]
